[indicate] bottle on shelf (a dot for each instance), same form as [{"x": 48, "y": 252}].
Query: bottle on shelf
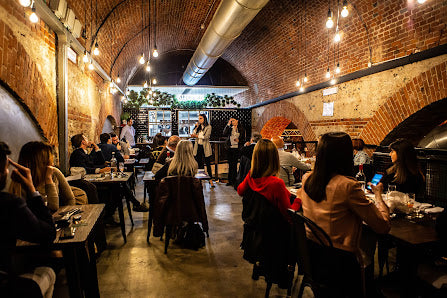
[{"x": 360, "y": 176}]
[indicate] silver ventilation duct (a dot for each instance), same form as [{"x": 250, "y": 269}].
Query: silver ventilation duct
[
  {"x": 231, "y": 17},
  {"x": 436, "y": 139}
]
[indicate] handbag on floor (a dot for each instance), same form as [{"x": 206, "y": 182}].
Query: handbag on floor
[{"x": 190, "y": 236}]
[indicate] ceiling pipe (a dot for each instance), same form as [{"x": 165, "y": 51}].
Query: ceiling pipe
[{"x": 231, "y": 17}]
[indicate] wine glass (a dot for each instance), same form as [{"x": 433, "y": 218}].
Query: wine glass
[
  {"x": 410, "y": 204},
  {"x": 391, "y": 188}
]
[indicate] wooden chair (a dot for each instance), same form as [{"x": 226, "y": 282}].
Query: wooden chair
[{"x": 328, "y": 271}]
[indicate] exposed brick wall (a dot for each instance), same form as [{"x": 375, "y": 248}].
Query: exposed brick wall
[
  {"x": 24, "y": 47},
  {"x": 352, "y": 126},
  {"x": 28, "y": 67},
  {"x": 274, "y": 127},
  {"x": 426, "y": 88}
]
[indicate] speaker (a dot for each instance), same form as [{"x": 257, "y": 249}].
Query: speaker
[
  {"x": 69, "y": 19},
  {"x": 77, "y": 28},
  {"x": 59, "y": 7}
]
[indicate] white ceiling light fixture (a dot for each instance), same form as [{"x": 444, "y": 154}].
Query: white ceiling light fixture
[
  {"x": 118, "y": 79},
  {"x": 345, "y": 11},
  {"x": 25, "y": 3},
  {"x": 333, "y": 81},
  {"x": 90, "y": 65},
  {"x": 155, "y": 52},
  {"x": 154, "y": 81},
  {"x": 145, "y": 84},
  {"x": 421, "y": 1},
  {"x": 148, "y": 67},
  {"x": 142, "y": 59},
  {"x": 33, "y": 16},
  {"x": 328, "y": 73},
  {"x": 298, "y": 83},
  {"x": 337, "y": 69},
  {"x": 302, "y": 89},
  {"x": 305, "y": 78},
  {"x": 337, "y": 36},
  {"x": 85, "y": 57},
  {"x": 329, "y": 21}
]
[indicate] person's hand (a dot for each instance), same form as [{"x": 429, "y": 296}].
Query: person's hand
[
  {"x": 230, "y": 122},
  {"x": 106, "y": 169},
  {"x": 193, "y": 135},
  {"x": 236, "y": 140},
  {"x": 376, "y": 189},
  {"x": 23, "y": 176},
  {"x": 294, "y": 169},
  {"x": 118, "y": 146},
  {"x": 247, "y": 144},
  {"x": 49, "y": 175}
]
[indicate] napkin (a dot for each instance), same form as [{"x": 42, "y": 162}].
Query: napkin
[{"x": 434, "y": 210}]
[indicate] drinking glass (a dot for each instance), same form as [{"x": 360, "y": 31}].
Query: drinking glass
[
  {"x": 391, "y": 188},
  {"x": 121, "y": 166},
  {"x": 410, "y": 204}
]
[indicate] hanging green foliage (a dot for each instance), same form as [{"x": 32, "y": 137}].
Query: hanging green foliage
[{"x": 157, "y": 98}]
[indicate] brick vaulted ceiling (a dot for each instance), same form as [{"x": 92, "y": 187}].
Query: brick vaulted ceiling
[{"x": 281, "y": 43}]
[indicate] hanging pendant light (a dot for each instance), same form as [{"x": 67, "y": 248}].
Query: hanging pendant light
[
  {"x": 330, "y": 21},
  {"x": 127, "y": 92},
  {"x": 148, "y": 67},
  {"x": 154, "y": 81},
  {"x": 302, "y": 89},
  {"x": 305, "y": 78},
  {"x": 118, "y": 80},
  {"x": 145, "y": 84},
  {"x": 298, "y": 83},
  {"x": 90, "y": 65},
  {"x": 25, "y": 3},
  {"x": 85, "y": 57},
  {"x": 150, "y": 91},
  {"x": 337, "y": 36},
  {"x": 111, "y": 84},
  {"x": 33, "y": 16},
  {"x": 328, "y": 73},
  {"x": 142, "y": 59},
  {"x": 155, "y": 52},
  {"x": 337, "y": 69},
  {"x": 333, "y": 81},
  {"x": 345, "y": 11},
  {"x": 96, "y": 49}
]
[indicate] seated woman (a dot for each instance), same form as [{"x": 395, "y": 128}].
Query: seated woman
[
  {"x": 360, "y": 156},
  {"x": 49, "y": 180},
  {"x": 263, "y": 179},
  {"x": 183, "y": 163},
  {"x": 335, "y": 201},
  {"x": 405, "y": 172}
]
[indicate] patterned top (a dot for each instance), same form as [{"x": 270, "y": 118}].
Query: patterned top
[{"x": 362, "y": 158}]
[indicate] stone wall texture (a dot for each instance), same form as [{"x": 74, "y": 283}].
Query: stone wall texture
[{"x": 28, "y": 68}]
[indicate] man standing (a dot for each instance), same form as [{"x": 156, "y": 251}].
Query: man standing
[
  {"x": 26, "y": 219},
  {"x": 128, "y": 132},
  {"x": 169, "y": 149},
  {"x": 288, "y": 163}
]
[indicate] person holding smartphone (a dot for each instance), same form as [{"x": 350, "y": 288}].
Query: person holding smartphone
[{"x": 202, "y": 146}]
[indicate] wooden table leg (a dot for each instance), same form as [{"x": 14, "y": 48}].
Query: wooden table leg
[
  {"x": 91, "y": 274},
  {"x": 119, "y": 202},
  {"x": 72, "y": 268}
]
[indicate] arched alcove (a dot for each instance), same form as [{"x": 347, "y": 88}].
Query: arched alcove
[
  {"x": 17, "y": 126},
  {"x": 110, "y": 125}
]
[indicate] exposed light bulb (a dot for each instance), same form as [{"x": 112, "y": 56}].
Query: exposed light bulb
[
  {"x": 421, "y": 1},
  {"x": 25, "y": 3},
  {"x": 123, "y": 98},
  {"x": 329, "y": 22},
  {"x": 142, "y": 59},
  {"x": 85, "y": 58},
  {"x": 127, "y": 92},
  {"x": 328, "y": 73},
  {"x": 305, "y": 78},
  {"x": 96, "y": 49},
  {"x": 113, "y": 90},
  {"x": 150, "y": 91},
  {"x": 155, "y": 53},
  {"x": 337, "y": 37},
  {"x": 90, "y": 65},
  {"x": 337, "y": 70},
  {"x": 298, "y": 83},
  {"x": 148, "y": 67},
  {"x": 145, "y": 84},
  {"x": 302, "y": 89},
  {"x": 33, "y": 16},
  {"x": 154, "y": 81},
  {"x": 345, "y": 11},
  {"x": 369, "y": 64},
  {"x": 111, "y": 84},
  {"x": 333, "y": 81},
  {"x": 118, "y": 80}
]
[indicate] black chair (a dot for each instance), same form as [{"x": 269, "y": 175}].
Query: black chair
[
  {"x": 267, "y": 242},
  {"x": 328, "y": 271}
]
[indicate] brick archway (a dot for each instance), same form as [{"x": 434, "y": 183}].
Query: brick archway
[
  {"x": 280, "y": 113},
  {"x": 426, "y": 88}
]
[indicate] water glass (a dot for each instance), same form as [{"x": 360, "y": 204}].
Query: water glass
[
  {"x": 121, "y": 166},
  {"x": 410, "y": 204}
]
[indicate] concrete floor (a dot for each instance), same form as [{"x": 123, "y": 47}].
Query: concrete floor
[{"x": 137, "y": 269}]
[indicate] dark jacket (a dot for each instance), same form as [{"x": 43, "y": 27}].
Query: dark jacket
[
  {"x": 163, "y": 172},
  {"x": 163, "y": 155},
  {"x": 28, "y": 220},
  {"x": 247, "y": 151},
  {"x": 267, "y": 239},
  {"x": 179, "y": 199},
  {"x": 242, "y": 136},
  {"x": 107, "y": 150},
  {"x": 90, "y": 161},
  {"x": 413, "y": 184}
]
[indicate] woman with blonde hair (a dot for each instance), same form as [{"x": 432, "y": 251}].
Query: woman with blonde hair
[
  {"x": 263, "y": 179},
  {"x": 48, "y": 180},
  {"x": 183, "y": 163}
]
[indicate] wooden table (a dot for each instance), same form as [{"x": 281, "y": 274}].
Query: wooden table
[
  {"x": 149, "y": 187},
  {"x": 114, "y": 185},
  {"x": 79, "y": 252}
]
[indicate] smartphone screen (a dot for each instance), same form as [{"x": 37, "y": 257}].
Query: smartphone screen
[{"x": 375, "y": 180}]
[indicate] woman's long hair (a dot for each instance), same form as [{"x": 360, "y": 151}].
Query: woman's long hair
[
  {"x": 265, "y": 160},
  {"x": 36, "y": 156},
  {"x": 158, "y": 141},
  {"x": 406, "y": 163},
  {"x": 183, "y": 163},
  {"x": 205, "y": 122},
  {"x": 334, "y": 157}
]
